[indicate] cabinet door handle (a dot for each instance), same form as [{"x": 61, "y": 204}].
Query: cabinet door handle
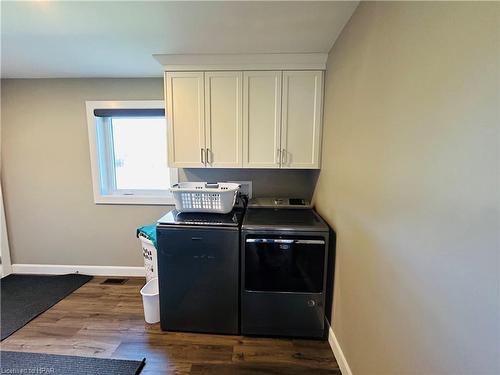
[
  {"x": 202, "y": 155},
  {"x": 283, "y": 157},
  {"x": 209, "y": 156},
  {"x": 279, "y": 155}
]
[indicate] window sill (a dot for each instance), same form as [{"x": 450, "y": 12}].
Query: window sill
[{"x": 135, "y": 200}]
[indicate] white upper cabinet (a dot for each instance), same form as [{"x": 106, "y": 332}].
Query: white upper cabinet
[
  {"x": 244, "y": 119},
  {"x": 261, "y": 119},
  {"x": 302, "y": 108},
  {"x": 184, "y": 95},
  {"x": 223, "y": 119}
]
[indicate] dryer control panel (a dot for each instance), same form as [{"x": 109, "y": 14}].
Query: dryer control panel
[{"x": 279, "y": 203}]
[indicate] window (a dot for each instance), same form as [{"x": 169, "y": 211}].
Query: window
[{"x": 128, "y": 146}]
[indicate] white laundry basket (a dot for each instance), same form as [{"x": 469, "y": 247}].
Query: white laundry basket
[
  {"x": 151, "y": 301},
  {"x": 150, "y": 258},
  {"x": 205, "y": 197}
]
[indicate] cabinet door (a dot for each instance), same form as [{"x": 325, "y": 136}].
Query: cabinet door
[
  {"x": 185, "y": 119},
  {"x": 301, "y": 119},
  {"x": 261, "y": 119},
  {"x": 223, "y": 117}
]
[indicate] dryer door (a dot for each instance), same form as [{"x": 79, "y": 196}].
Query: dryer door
[{"x": 276, "y": 264}]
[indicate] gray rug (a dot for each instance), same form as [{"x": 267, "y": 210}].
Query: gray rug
[
  {"x": 36, "y": 363},
  {"x": 24, "y": 297}
]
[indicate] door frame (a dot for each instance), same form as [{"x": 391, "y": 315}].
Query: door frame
[{"x": 6, "y": 265}]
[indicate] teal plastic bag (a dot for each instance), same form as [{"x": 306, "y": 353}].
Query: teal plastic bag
[{"x": 148, "y": 231}]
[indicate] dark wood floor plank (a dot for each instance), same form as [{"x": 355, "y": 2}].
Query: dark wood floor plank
[
  {"x": 107, "y": 321},
  {"x": 179, "y": 353},
  {"x": 257, "y": 369},
  {"x": 292, "y": 357}
]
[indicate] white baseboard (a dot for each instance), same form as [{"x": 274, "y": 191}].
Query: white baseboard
[
  {"x": 338, "y": 353},
  {"x": 61, "y": 269}
]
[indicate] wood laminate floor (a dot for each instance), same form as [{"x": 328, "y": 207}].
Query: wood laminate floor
[{"x": 107, "y": 321}]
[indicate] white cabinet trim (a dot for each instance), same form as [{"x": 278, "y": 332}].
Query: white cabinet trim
[{"x": 255, "y": 61}]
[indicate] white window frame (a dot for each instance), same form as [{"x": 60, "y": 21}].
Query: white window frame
[{"x": 98, "y": 153}]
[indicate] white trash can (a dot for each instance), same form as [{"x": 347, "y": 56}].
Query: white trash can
[
  {"x": 150, "y": 258},
  {"x": 151, "y": 301}
]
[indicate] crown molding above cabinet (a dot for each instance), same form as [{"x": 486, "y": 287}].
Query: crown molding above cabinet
[{"x": 244, "y": 61}]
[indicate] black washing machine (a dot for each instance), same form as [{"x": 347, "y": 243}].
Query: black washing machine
[{"x": 198, "y": 271}]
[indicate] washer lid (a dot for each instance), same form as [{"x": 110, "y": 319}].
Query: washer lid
[
  {"x": 174, "y": 217},
  {"x": 283, "y": 219}
]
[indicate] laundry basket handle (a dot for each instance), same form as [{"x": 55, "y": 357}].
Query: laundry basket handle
[{"x": 212, "y": 186}]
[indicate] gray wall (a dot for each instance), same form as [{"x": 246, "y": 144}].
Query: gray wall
[
  {"x": 51, "y": 215},
  {"x": 50, "y": 211},
  {"x": 265, "y": 182},
  {"x": 410, "y": 183}
]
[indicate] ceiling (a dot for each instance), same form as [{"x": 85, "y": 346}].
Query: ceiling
[{"x": 49, "y": 39}]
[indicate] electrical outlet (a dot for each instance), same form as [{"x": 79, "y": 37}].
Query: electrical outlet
[{"x": 246, "y": 187}]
